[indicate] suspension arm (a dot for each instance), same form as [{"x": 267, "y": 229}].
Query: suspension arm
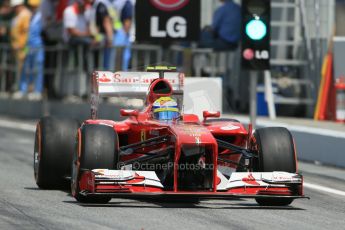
[
  {"x": 151, "y": 155},
  {"x": 238, "y": 150},
  {"x": 129, "y": 149},
  {"x": 231, "y": 162}
]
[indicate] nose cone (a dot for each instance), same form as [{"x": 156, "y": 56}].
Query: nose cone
[{"x": 192, "y": 134}]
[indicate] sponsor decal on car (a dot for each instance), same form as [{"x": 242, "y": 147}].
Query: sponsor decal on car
[
  {"x": 104, "y": 78},
  {"x": 230, "y": 127},
  {"x": 193, "y": 131},
  {"x": 121, "y": 78},
  {"x": 285, "y": 177},
  {"x": 250, "y": 180},
  {"x": 114, "y": 174}
]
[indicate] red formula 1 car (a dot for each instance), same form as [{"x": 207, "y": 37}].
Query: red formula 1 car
[{"x": 172, "y": 155}]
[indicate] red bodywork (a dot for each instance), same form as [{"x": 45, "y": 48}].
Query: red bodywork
[{"x": 188, "y": 132}]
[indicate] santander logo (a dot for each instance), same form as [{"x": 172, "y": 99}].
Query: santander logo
[
  {"x": 169, "y": 5},
  {"x": 250, "y": 180},
  {"x": 104, "y": 78}
]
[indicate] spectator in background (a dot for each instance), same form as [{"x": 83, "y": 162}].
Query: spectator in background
[
  {"x": 76, "y": 19},
  {"x": 60, "y": 8},
  {"x": 225, "y": 32},
  {"x": 52, "y": 34},
  {"x": 125, "y": 9},
  {"x": 5, "y": 21},
  {"x": 52, "y": 14},
  {"x": 19, "y": 34},
  {"x": 102, "y": 20},
  {"x": 5, "y": 17},
  {"x": 32, "y": 73}
]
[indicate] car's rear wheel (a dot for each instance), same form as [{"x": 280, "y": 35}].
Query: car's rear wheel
[
  {"x": 53, "y": 151},
  {"x": 97, "y": 149},
  {"x": 276, "y": 152}
]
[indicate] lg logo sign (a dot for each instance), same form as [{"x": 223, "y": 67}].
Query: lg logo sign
[
  {"x": 250, "y": 54},
  {"x": 167, "y": 20},
  {"x": 176, "y": 27}
]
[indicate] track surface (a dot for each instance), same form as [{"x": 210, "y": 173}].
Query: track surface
[{"x": 24, "y": 206}]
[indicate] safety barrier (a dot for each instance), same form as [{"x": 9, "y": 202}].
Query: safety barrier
[{"x": 67, "y": 67}]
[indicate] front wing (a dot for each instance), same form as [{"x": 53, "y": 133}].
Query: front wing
[{"x": 132, "y": 184}]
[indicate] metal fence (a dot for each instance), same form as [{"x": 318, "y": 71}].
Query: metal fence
[{"x": 68, "y": 68}]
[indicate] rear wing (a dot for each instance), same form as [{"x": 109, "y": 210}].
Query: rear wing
[{"x": 129, "y": 84}]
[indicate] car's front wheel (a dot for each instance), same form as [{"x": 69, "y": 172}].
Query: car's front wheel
[
  {"x": 97, "y": 149},
  {"x": 276, "y": 152}
]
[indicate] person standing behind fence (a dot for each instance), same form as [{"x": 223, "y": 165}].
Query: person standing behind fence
[
  {"x": 52, "y": 34},
  {"x": 76, "y": 18},
  {"x": 122, "y": 35},
  {"x": 5, "y": 21},
  {"x": 32, "y": 73},
  {"x": 103, "y": 16},
  {"x": 5, "y": 18},
  {"x": 225, "y": 32},
  {"x": 19, "y": 33}
]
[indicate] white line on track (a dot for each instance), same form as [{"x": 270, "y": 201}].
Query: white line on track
[
  {"x": 324, "y": 189},
  {"x": 17, "y": 125},
  {"x": 298, "y": 128}
]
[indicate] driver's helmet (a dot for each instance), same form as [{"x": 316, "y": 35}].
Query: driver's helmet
[{"x": 165, "y": 108}]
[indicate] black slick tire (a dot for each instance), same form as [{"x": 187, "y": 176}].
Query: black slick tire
[
  {"x": 53, "y": 152},
  {"x": 98, "y": 150},
  {"x": 276, "y": 152}
]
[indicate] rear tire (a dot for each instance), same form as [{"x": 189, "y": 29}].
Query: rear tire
[
  {"x": 54, "y": 147},
  {"x": 98, "y": 150},
  {"x": 276, "y": 153}
]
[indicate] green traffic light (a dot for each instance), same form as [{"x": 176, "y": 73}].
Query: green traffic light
[{"x": 256, "y": 29}]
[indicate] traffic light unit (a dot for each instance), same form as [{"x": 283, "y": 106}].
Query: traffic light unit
[{"x": 255, "y": 50}]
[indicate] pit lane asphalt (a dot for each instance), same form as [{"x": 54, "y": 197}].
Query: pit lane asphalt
[{"x": 24, "y": 206}]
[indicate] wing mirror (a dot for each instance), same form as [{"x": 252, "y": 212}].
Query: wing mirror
[
  {"x": 207, "y": 114},
  {"x": 129, "y": 112}
]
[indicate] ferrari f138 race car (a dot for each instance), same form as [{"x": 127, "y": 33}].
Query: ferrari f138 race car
[{"x": 163, "y": 152}]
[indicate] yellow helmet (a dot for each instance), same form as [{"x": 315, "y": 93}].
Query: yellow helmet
[{"x": 165, "y": 108}]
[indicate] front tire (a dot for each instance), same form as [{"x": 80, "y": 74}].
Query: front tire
[
  {"x": 276, "y": 152},
  {"x": 54, "y": 147},
  {"x": 97, "y": 149}
]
